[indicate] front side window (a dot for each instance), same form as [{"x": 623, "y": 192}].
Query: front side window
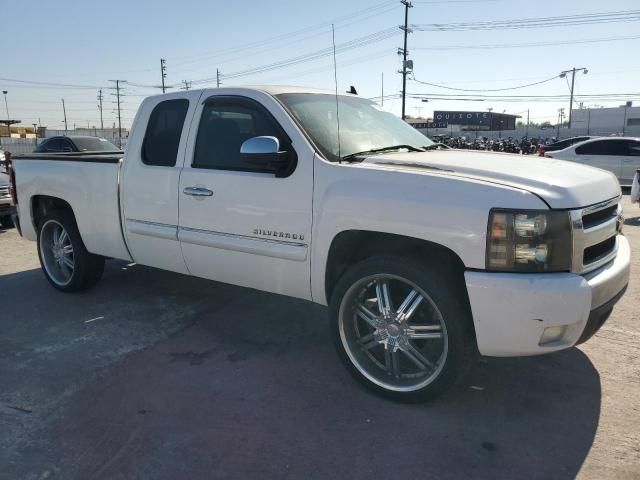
[
  {"x": 162, "y": 138},
  {"x": 226, "y": 122},
  {"x": 363, "y": 124},
  {"x": 602, "y": 147}
]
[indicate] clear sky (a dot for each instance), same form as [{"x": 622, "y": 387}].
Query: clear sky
[{"x": 89, "y": 42}]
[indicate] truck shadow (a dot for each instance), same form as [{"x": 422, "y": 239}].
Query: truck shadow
[{"x": 247, "y": 385}]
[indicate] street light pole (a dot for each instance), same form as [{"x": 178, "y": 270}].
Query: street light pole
[{"x": 573, "y": 71}]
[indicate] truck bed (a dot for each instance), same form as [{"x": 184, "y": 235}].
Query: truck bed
[{"x": 88, "y": 182}]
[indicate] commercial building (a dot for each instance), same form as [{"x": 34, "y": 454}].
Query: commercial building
[{"x": 623, "y": 120}]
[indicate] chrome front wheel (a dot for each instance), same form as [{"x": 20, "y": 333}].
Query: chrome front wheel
[
  {"x": 402, "y": 326},
  {"x": 57, "y": 252},
  {"x": 393, "y": 332}
]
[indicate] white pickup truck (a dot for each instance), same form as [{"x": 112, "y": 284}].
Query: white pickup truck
[{"x": 425, "y": 257}]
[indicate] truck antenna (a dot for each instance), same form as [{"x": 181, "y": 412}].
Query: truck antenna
[{"x": 335, "y": 79}]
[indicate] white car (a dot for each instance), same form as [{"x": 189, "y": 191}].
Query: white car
[
  {"x": 619, "y": 155},
  {"x": 423, "y": 256}
]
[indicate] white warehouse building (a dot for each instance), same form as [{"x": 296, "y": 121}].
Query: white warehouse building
[{"x": 623, "y": 120}]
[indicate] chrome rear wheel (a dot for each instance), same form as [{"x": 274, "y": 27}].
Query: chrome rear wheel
[{"x": 58, "y": 258}]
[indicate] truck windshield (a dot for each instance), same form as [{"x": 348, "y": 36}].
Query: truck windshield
[
  {"x": 364, "y": 125},
  {"x": 94, "y": 144}
]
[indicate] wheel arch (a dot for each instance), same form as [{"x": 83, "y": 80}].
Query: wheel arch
[
  {"x": 351, "y": 246},
  {"x": 41, "y": 205}
]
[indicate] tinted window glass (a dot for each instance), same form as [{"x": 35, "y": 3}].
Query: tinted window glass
[
  {"x": 603, "y": 147},
  {"x": 67, "y": 145},
  {"x": 634, "y": 148},
  {"x": 162, "y": 138},
  {"x": 225, "y": 124},
  {"x": 94, "y": 144},
  {"x": 53, "y": 145}
]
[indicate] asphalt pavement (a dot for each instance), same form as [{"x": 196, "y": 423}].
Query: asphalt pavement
[{"x": 155, "y": 375}]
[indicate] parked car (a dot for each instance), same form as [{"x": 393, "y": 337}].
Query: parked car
[
  {"x": 562, "y": 144},
  {"x": 619, "y": 155},
  {"x": 424, "y": 256},
  {"x": 6, "y": 208},
  {"x": 75, "y": 143}
]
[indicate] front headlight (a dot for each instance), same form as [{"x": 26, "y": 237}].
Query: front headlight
[{"x": 528, "y": 241}]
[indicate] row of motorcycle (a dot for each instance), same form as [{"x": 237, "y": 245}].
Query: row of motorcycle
[{"x": 525, "y": 146}]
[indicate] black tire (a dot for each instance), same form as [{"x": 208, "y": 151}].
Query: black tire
[
  {"x": 446, "y": 293},
  {"x": 6, "y": 221},
  {"x": 88, "y": 268}
]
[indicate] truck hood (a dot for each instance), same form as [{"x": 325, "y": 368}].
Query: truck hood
[{"x": 559, "y": 183}]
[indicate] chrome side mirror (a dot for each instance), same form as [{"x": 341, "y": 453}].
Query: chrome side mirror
[
  {"x": 264, "y": 153},
  {"x": 260, "y": 146}
]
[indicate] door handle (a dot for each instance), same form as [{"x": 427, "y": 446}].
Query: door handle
[{"x": 197, "y": 192}]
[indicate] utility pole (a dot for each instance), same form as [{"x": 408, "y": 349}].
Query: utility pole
[
  {"x": 560, "y": 115},
  {"x": 118, "y": 95},
  {"x": 100, "y": 97},
  {"x": 6, "y": 105},
  {"x": 217, "y": 77},
  {"x": 527, "y": 134},
  {"x": 573, "y": 71},
  {"x": 407, "y": 5},
  {"x": 35, "y": 131},
  {"x": 187, "y": 85},
  {"x": 163, "y": 72},
  {"x": 64, "y": 111}
]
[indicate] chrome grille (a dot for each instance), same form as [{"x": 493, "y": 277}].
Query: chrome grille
[
  {"x": 4, "y": 191},
  {"x": 595, "y": 231}
]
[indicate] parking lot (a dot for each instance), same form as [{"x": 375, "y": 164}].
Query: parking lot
[{"x": 157, "y": 375}]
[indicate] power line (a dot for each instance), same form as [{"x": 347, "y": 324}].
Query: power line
[
  {"x": 49, "y": 84},
  {"x": 325, "y": 27},
  {"x": 525, "y": 98},
  {"x": 325, "y": 52},
  {"x": 528, "y": 45},
  {"x": 489, "y": 89},
  {"x": 541, "y": 22}
]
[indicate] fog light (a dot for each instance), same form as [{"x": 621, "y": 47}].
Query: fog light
[{"x": 552, "y": 334}]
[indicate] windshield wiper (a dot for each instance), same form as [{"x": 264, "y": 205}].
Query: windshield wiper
[{"x": 381, "y": 150}]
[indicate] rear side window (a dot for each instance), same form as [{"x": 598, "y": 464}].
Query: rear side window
[
  {"x": 162, "y": 138},
  {"x": 603, "y": 147},
  {"x": 53, "y": 145}
]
